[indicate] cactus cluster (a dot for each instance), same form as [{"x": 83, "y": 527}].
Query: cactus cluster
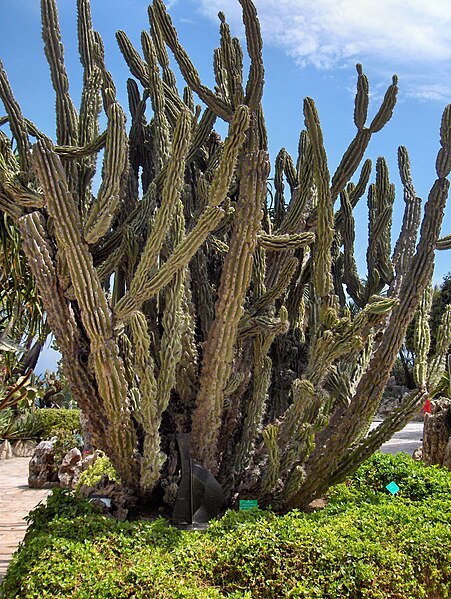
[{"x": 183, "y": 303}]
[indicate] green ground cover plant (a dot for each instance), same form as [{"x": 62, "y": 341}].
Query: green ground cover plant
[
  {"x": 365, "y": 543},
  {"x": 53, "y": 419},
  {"x": 92, "y": 475}
]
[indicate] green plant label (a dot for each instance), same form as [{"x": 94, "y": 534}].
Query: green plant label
[
  {"x": 392, "y": 487},
  {"x": 248, "y": 504}
]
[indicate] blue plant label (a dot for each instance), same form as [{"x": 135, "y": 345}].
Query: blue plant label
[
  {"x": 392, "y": 488},
  {"x": 248, "y": 504}
]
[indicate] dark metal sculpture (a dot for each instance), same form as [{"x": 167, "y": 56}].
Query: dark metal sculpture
[{"x": 200, "y": 497}]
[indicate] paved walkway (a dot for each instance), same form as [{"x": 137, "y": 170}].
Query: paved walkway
[
  {"x": 408, "y": 439},
  {"x": 16, "y": 501}
]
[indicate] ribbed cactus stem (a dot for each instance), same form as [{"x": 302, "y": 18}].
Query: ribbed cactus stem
[
  {"x": 321, "y": 252},
  {"x": 361, "y": 99},
  {"x": 143, "y": 287},
  {"x": 350, "y": 275},
  {"x": 66, "y": 114},
  {"x": 422, "y": 339},
  {"x": 61, "y": 318},
  {"x": 254, "y": 86},
  {"x": 170, "y": 196},
  {"x": 96, "y": 316},
  {"x": 156, "y": 91},
  {"x": 235, "y": 279},
  {"x": 437, "y": 366},
  {"x": 385, "y": 112},
  {"x": 16, "y": 120},
  {"x": 163, "y": 59},
  {"x": 405, "y": 246},
  {"x": 187, "y": 68},
  {"x": 271, "y": 476},
  {"x": 115, "y": 165}
]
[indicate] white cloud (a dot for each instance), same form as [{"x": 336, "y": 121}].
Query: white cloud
[{"x": 410, "y": 36}]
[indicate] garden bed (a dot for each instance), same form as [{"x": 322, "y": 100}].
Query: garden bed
[{"x": 365, "y": 543}]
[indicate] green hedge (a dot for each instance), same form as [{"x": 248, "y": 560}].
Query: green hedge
[
  {"x": 364, "y": 544},
  {"x": 52, "y": 419}
]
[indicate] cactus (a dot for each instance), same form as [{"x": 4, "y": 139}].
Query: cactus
[{"x": 186, "y": 304}]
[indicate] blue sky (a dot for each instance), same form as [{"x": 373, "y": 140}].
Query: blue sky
[{"x": 310, "y": 49}]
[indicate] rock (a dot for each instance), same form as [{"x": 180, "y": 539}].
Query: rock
[
  {"x": 42, "y": 472},
  {"x": 6, "y": 452},
  {"x": 23, "y": 449},
  {"x": 418, "y": 454},
  {"x": 70, "y": 468}
]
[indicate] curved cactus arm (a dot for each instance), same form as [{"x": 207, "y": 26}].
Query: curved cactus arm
[
  {"x": 231, "y": 57},
  {"x": 405, "y": 245},
  {"x": 170, "y": 196},
  {"x": 361, "y": 99},
  {"x": 115, "y": 166},
  {"x": 438, "y": 364},
  {"x": 254, "y": 86},
  {"x": 444, "y": 243},
  {"x": 179, "y": 258},
  {"x": 16, "y": 120},
  {"x": 66, "y": 114},
  {"x": 443, "y": 163},
  {"x": 354, "y": 154},
  {"x": 72, "y": 152},
  {"x": 136, "y": 64},
  {"x": 355, "y": 192},
  {"x": 39, "y": 250},
  {"x": 187, "y": 68},
  {"x": 96, "y": 316},
  {"x": 394, "y": 422},
  {"x": 280, "y": 243},
  {"x": 160, "y": 47},
  {"x": 385, "y": 111},
  {"x": 15, "y": 196},
  {"x": 235, "y": 279},
  {"x": 350, "y": 273},
  {"x": 275, "y": 292}
]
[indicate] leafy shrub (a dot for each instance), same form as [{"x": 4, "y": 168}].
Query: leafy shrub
[
  {"x": 51, "y": 419},
  {"x": 416, "y": 481},
  {"x": 92, "y": 475},
  {"x": 373, "y": 551},
  {"x": 60, "y": 504}
]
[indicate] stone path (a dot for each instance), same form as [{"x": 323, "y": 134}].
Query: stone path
[
  {"x": 16, "y": 501},
  {"x": 407, "y": 440}
]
